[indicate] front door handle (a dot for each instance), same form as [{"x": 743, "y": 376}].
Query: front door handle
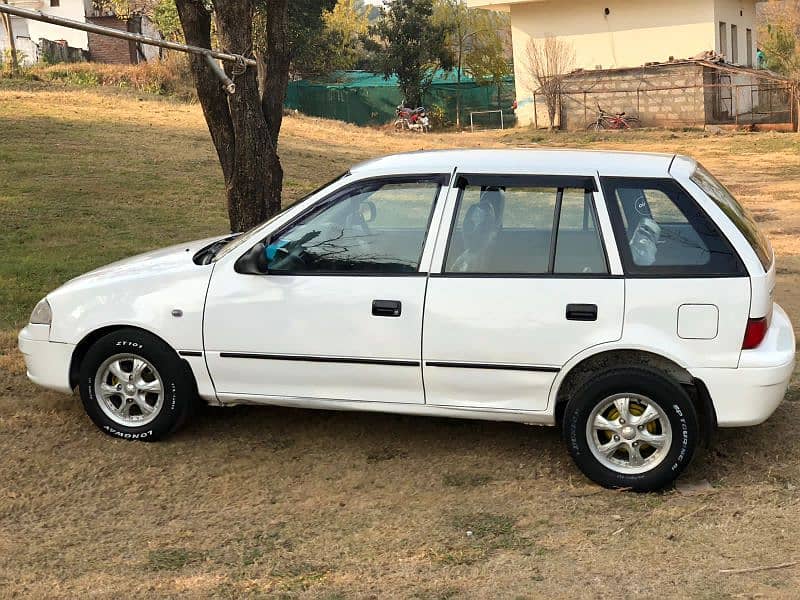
[
  {"x": 386, "y": 308},
  {"x": 582, "y": 312}
]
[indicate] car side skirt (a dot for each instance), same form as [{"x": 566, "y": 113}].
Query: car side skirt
[{"x": 427, "y": 410}]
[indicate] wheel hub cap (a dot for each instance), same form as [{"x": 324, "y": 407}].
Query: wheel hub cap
[
  {"x": 129, "y": 390},
  {"x": 629, "y": 433}
]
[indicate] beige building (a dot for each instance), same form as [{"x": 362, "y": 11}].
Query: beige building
[{"x": 618, "y": 34}]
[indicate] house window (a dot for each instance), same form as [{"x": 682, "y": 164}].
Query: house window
[
  {"x": 734, "y": 44},
  {"x": 55, "y": 3},
  {"x": 749, "y": 40},
  {"x": 723, "y": 38}
]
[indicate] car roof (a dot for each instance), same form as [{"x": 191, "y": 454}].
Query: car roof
[{"x": 521, "y": 161}]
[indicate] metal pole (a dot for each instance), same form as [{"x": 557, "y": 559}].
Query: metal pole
[
  {"x": 206, "y": 53},
  {"x": 11, "y": 41}
]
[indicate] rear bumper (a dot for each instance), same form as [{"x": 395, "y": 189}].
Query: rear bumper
[
  {"x": 749, "y": 394},
  {"x": 47, "y": 362}
]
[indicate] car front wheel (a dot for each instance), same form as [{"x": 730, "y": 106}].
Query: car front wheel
[
  {"x": 631, "y": 428},
  {"x": 135, "y": 387}
]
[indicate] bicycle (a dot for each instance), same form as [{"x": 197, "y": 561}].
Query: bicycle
[{"x": 606, "y": 120}]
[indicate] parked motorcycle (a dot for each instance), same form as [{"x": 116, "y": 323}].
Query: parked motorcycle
[{"x": 412, "y": 119}]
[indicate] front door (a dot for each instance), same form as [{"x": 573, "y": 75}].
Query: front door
[
  {"x": 339, "y": 314},
  {"x": 524, "y": 286}
]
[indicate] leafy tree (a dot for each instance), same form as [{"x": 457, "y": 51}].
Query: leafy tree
[
  {"x": 411, "y": 45},
  {"x": 346, "y": 26},
  {"x": 475, "y": 39},
  {"x": 162, "y": 12},
  {"x": 780, "y": 43}
]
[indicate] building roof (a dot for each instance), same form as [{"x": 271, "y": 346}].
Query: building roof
[{"x": 522, "y": 161}]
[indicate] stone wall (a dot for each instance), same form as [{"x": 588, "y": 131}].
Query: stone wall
[{"x": 664, "y": 95}]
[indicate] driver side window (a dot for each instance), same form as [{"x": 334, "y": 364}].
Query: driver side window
[{"x": 373, "y": 226}]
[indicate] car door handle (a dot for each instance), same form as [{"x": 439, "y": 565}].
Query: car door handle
[
  {"x": 582, "y": 312},
  {"x": 386, "y": 308}
]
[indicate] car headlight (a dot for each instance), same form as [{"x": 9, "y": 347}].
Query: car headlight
[{"x": 42, "y": 314}]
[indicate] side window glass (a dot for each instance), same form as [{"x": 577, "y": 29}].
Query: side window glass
[
  {"x": 373, "y": 227},
  {"x": 524, "y": 230},
  {"x": 661, "y": 229},
  {"x": 578, "y": 246}
]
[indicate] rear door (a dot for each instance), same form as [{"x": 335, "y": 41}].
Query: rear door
[
  {"x": 687, "y": 291},
  {"x": 521, "y": 283}
]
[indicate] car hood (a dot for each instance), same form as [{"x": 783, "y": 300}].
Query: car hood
[{"x": 155, "y": 262}]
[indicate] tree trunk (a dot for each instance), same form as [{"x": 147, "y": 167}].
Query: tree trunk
[
  {"x": 276, "y": 80},
  {"x": 244, "y": 138}
]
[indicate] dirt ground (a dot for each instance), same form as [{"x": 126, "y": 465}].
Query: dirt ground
[{"x": 272, "y": 502}]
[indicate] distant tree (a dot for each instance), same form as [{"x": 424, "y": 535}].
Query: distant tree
[
  {"x": 475, "y": 40},
  {"x": 780, "y": 43},
  {"x": 346, "y": 28},
  {"x": 162, "y": 13},
  {"x": 411, "y": 45},
  {"x": 548, "y": 62}
]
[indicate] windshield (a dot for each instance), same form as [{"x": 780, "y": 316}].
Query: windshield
[
  {"x": 239, "y": 241},
  {"x": 740, "y": 216}
]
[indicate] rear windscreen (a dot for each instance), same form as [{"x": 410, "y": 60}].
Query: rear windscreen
[{"x": 740, "y": 216}]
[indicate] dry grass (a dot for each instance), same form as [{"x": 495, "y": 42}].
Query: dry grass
[{"x": 265, "y": 502}]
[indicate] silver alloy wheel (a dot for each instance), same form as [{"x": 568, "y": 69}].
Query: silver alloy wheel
[
  {"x": 129, "y": 390},
  {"x": 629, "y": 433}
]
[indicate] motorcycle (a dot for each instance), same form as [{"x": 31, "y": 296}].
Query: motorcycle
[{"x": 412, "y": 119}]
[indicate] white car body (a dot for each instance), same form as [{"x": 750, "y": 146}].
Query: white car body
[{"x": 496, "y": 348}]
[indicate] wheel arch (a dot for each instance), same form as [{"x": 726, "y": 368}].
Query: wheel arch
[
  {"x": 82, "y": 347},
  {"x": 611, "y": 359}
]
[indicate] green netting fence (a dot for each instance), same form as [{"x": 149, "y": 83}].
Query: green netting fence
[{"x": 368, "y": 99}]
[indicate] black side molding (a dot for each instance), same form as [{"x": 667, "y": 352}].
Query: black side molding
[
  {"x": 495, "y": 366},
  {"x": 322, "y": 359}
]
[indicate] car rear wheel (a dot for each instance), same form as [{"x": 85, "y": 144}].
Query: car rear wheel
[
  {"x": 631, "y": 428},
  {"x": 134, "y": 386}
]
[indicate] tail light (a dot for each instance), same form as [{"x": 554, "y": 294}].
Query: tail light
[{"x": 755, "y": 332}]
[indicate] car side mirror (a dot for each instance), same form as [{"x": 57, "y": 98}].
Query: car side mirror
[{"x": 254, "y": 261}]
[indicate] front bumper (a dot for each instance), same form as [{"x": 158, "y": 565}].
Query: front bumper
[
  {"x": 749, "y": 394},
  {"x": 47, "y": 362}
]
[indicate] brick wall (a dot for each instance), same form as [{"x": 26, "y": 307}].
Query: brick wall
[{"x": 105, "y": 49}]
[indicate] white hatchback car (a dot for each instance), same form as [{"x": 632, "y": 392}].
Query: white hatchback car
[{"x": 625, "y": 297}]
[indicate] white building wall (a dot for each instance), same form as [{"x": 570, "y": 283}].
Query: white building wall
[
  {"x": 742, "y": 14},
  {"x": 69, "y": 9},
  {"x": 27, "y": 33}
]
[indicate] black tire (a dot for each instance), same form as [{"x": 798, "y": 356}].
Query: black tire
[
  {"x": 177, "y": 384},
  {"x": 660, "y": 389},
  {"x": 595, "y": 126}
]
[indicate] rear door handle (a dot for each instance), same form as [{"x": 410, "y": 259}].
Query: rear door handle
[
  {"x": 582, "y": 312},
  {"x": 386, "y": 308}
]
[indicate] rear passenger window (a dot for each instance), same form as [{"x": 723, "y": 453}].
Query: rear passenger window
[
  {"x": 660, "y": 229},
  {"x": 508, "y": 226}
]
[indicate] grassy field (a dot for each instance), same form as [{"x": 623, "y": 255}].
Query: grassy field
[{"x": 265, "y": 502}]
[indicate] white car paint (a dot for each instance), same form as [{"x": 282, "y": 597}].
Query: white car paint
[{"x": 367, "y": 363}]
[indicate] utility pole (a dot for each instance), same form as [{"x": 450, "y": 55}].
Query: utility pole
[{"x": 12, "y": 43}]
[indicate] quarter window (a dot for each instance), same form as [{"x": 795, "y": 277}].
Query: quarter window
[
  {"x": 375, "y": 226},
  {"x": 660, "y": 229},
  {"x": 507, "y": 226}
]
